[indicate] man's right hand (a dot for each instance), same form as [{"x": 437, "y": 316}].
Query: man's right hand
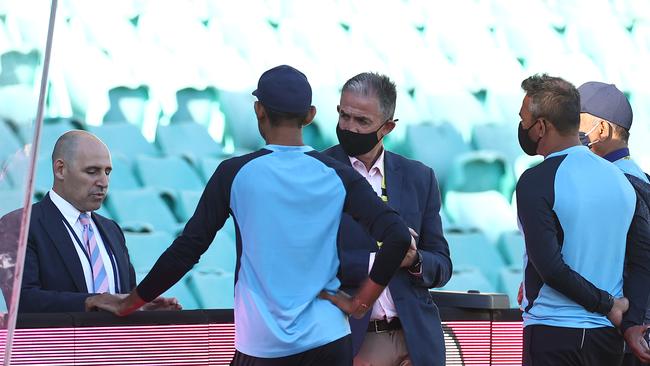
[
  {"x": 616, "y": 313},
  {"x": 639, "y": 346}
]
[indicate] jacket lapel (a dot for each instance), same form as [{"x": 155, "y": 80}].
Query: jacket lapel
[
  {"x": 394, "y": 180},
  {"x": 52, "y": 222}
]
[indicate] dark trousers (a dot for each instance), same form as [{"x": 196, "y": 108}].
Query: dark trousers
[
  {"x": 558, "y": 346},
  {"x": 337, "y": 353},
  {"x": 631, "y": 360}
]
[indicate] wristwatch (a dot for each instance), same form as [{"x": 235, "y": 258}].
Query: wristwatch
[{"x": 416, "y": 267}]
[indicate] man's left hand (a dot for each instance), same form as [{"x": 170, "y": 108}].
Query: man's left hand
[
  {"x": 639, "y": 346},
  {"x": 412, "y": 253}
]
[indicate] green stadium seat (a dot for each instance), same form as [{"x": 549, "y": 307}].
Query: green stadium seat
[
  {"x": 207, "y": 166},
  {"x": 468, "y": 279},
  {"x": 187, "y": 139},
  {"x": 196, "y": 105},
  {"x": 473, "y": 250},
  {"x": 512, "y": 248},
  {"x": 142, "y": 210},
  {"x": 241, "y": 124},
  {"x": 479, "y": 171},
  {"x": 435, "y": 146},
  {"x": 124, "y": 138},
  {"x": 487, "y": 211},
  {"x": 169, "y": 173},
  {"x": 186, "y": 203},
  {"x": 212, "y": 290},
  {"x": 146, "y": 248},
  {"x": 509, "y": 281},
  {"x": 127, "y": 105},
  {"x": 181, "y": 291}
]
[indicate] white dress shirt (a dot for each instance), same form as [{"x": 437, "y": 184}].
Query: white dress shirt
[
  {"x": 384, "y": 306},
  {"x": 71, "y": 215}
]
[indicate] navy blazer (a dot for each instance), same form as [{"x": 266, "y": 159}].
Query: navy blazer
[
  {"x": 413, "y": 192},
  {"x": 53, "y": 278}
]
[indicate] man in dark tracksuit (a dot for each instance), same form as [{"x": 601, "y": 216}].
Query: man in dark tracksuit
[{"x": 570, "y": 253}]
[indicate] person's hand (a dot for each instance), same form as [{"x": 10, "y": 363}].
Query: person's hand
[
  {"x": 346, "y": 303},
  {"x": 520, "y": 294},
  {"x": 616, "y": 314},
  {"x": 109, "y": 302},
  {"x": 412, "y": 253},
  {"x": 162, "y": 303},
  {"x": 639, "y": 346}
]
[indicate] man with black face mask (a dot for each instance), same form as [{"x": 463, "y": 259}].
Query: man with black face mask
[
  {"x": 405, "y": 331},
  {"x": 573, "y": 272},
  {"x": 605, "y": 122}
]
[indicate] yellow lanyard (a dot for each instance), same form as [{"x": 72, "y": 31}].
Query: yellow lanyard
[{"x": 384, "y": 197}]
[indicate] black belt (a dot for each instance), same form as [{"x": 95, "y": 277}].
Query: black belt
[{"x": 381, "y": 326}]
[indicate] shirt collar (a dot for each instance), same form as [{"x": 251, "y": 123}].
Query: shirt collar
[
  {"x": 285, "y": 148},
  {"x": 379, "y": 163},
  {"x": 617, "y": 154},
  {"x": 69, "y": 212},
  {"x": 577, "y": 148}
]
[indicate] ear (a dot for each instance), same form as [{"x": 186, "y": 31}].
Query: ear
[
  {"x": 310, "y": 116},
  {"x": 605, "y": 130},
  {"x": 58, "y": 167},
  {"x": 260, "y": 113},
  {"x": 544, "y": 127},
  {"x": 387, "y": 127}
]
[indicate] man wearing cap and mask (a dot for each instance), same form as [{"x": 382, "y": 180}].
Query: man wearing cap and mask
[
  {"x": 605, "y": 122},
  {"x": 286, "y": 201},
  {"x": 573, "y": 269},
  {"x": 403, "y": 327}
]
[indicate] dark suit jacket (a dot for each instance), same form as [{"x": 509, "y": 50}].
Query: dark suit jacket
[
  {"x": 53, "y": 279},
  {"x": 413, "y": 192}
]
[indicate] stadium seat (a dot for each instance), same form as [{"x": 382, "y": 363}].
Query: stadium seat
[
  {"x": 19, "y": 67},
  {"x": 468, "y": 279},
  {"x": 220, "y": 257},
  {"x": 487, "y": 211},
  {"x": 142, "y": 210},
  {"x": 509, "y": 281},
  {"x": 501, "y": 138},
  {"x": 146, "y": 248},
  {"x": 10, "y": 200},
  {"x": 473, "y": 250},
  {"x": 9, "y": 142},
  {"x": 127, "y": 105},
  {"x": 212, "y": 290},
  {"x": 207, "y": 166},
  {"x": 512, "y": 248},
  {"x": 124, "y": 138},
  {"x": 525, "y": 162},
  {"x": 195, "y": 105},
  {"x": 170, "y": 173},
  {"x": 435, "y": 146},
  {"x": 187, "y": 139},
  {"x": 479, "y": 171},
  {"x": 50, "y": 132},
  {"x": 122, "y": 175},
  {"x": 241, "y": 124},
  {"x": 44, "y": 176},
  {"x": 181, "y": 291},
  {"x": 186, "y": 203}
]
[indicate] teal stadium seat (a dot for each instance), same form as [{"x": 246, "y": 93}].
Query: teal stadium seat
[
  {"x": 509, "y": 281},
  {"x": 435, "y": 146},
  {"x": 170, "y": 173},
  {"x": 142, "y": 210},
  {"x": 488, "y": 211},
  {"x": 207, "y": 166},
  {"x": 479, "y": 171},
  {"x": 220, "y": 256},
  {"x": 10, "y": 200},
  {"x": 213, "y": 290},
  {"x": 124, "y": 138},
  {"x": 241, "y": 123},
  {"x": 501, "y": 138},
  {"x": 473, "y": 250},
  {"x": 122, "y": 176},
  {"x": 512, "y": 247},
  {"x": 181, "y": 291},
  {"x": 9, "y": 142},
  {"x": 127, "y": 105},
  {"x": 187, "y": 139},
  {"x": 146, "y": 248},
  {"x": 468, "y": 279},
  {"x": 196, "y": 105}
]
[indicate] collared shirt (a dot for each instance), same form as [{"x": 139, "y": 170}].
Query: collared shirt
[
  {"x": 71, "y": 215},
  {"x": 621, "y": 158},
  {"x": 384, "y": 306}
]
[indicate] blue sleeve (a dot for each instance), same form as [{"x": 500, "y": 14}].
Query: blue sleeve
[
  {"x": 535, "y": 197},
  {"x": 637, "y": 257},
  {"x": 432, "y": 245}
]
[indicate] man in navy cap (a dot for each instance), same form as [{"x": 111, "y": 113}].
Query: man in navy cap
[
  {"x": 286, "y": 201},
  {"x": 605, "y": 122}
]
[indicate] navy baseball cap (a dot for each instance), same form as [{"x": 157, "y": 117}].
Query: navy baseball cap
[
  {"x": 284, "y": 89},
  {"x": 607, "y": 102}
]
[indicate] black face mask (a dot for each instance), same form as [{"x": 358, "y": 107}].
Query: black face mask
[
  {"x": 355, "y": 144},
  {"x": 527, "y": 145}
]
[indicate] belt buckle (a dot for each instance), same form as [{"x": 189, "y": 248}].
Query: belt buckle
[{"x": 377, "y": 328}]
